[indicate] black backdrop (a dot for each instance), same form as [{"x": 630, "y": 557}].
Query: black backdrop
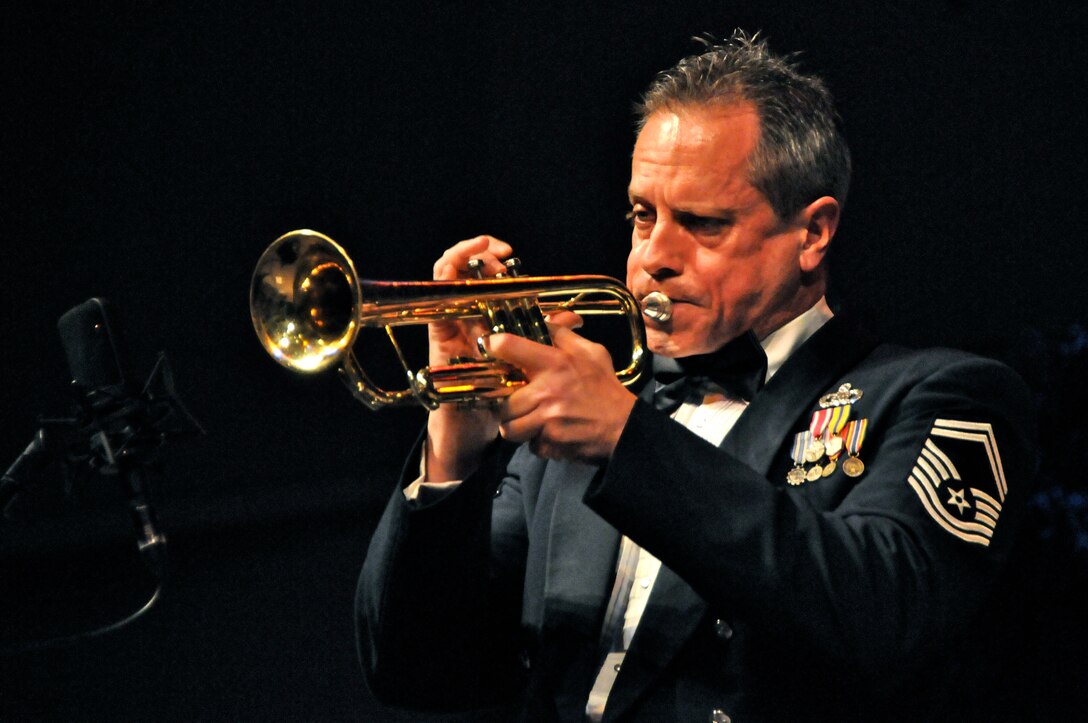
[{"x": 151, "y": 150}]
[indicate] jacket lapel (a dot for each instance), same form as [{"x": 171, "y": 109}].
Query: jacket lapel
[
  {"x": 581, "y": 555},
  {"x": 578, "y": 567},
  {"x": 674, "y": 610}
]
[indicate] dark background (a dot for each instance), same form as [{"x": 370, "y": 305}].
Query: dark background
[{"x": 150, "y": 152}]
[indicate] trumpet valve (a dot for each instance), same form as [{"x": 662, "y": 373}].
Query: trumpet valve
[
  {"x": 513, "y": 266},
  {"x": 476, "y": 266}
]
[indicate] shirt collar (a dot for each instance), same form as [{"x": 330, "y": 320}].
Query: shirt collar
[{"x": 786, "y": 339}]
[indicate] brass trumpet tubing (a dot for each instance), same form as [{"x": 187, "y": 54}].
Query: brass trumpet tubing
[
  {"x": 307, "y": 304},
  {"x": 369, "y": 393},
  {"x": 386, "y": 303},
  {"x": 470, "y": 382},
  {"x": 429, "y": 301}
]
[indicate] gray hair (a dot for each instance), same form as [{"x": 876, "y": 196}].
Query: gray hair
[{"x": 802, "y": 154}]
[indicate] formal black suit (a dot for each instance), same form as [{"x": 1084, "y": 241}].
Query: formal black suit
[{"x": 840, "y": 599}]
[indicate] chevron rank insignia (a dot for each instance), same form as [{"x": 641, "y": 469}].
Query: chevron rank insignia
[{"x": 960, "y": 480}]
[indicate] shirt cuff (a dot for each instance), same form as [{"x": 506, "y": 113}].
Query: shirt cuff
[{"x": 423, "y": 492}]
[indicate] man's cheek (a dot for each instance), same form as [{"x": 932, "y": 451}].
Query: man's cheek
[{"x": 632, "y": 269}]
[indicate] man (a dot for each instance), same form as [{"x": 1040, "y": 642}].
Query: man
[{"x": 791, "y": 523}]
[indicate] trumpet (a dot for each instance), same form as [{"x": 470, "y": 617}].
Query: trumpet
[{"x": 308, "y": 305}]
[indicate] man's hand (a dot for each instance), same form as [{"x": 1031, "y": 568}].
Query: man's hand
[
  {"x": 456, "y": 438},
  {"x": 449, "y": 339},
  {"x": 573, "y": 407}
]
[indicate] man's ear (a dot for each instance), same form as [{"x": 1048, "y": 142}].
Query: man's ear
[{"x": 820, "y": 220}]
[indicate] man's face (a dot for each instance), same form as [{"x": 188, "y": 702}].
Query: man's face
[{"x": 702, "y": 235}]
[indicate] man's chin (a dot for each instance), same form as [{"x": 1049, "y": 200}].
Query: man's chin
[
  {"x": 666, "y": 344},
  {"x": 678, "y": 345}
]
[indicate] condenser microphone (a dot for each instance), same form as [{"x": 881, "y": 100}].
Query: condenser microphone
[
  {"x": 91, "y": 345},
  {"x": 116, "y": 418}
]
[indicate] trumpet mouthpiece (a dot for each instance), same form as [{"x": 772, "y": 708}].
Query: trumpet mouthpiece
[{"x": 657, "y": 306}]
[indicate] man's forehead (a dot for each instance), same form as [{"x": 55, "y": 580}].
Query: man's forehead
[
  {"x": 701, "y": 151},
  {"x": 699, "y": 126}
]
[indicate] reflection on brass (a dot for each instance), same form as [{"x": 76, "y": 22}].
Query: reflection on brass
[{"x": 308, "y": 304}]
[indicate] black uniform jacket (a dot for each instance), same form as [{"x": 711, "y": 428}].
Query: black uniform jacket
[{"x": 844, "y": 598}]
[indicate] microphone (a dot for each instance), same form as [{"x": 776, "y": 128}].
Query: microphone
[
  {"x": 90, "y": 343},
  {"x": 86, "y": 332},
  {"x": 121, "y": 431}
]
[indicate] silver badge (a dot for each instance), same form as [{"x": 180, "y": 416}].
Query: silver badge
[{"x": 845, "y": 395}]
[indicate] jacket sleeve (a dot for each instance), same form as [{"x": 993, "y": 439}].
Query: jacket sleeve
[
  {"x": 438, "y": 598},
  {"x": 871, "y": 580}
]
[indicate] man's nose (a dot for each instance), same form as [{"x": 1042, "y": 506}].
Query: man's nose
[{"x": 662, "y": 254}]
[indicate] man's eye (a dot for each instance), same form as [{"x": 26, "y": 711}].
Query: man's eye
[
  {"x": 638, "y": 216},
  {"x": 705, "y": 224}
]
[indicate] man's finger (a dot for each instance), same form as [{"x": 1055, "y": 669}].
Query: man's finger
[
  {"x": 523, "y": 353},
  {"x": 565, "y": 319},
  {"x": 564, "y": 338},
  {"x": 519, "y": 429},
  {"x": 519, "y": 404},
  {"x": 488, "y": 249}
]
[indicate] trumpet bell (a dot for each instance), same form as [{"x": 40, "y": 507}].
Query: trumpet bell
[{"x": 301, "y": 301}]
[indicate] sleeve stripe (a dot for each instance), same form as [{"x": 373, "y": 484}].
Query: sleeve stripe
[
  {"x": 935, "y": 460},
  {"x": 922, "y": 476},
  {"x": 984, "y": 510},
  {"x": 933, "y": 476},
  {"x": 944, "y": 458},
  {"x": 981, "y": 496}
]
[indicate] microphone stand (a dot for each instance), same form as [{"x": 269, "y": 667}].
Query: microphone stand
[
  {"x": 116, "y": 434},
  {"x": 30, "y": 463},
  {"x": 52, "y": 438}
]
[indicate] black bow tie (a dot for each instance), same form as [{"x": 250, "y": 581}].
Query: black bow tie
[{"x": 739, "y": 368}]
